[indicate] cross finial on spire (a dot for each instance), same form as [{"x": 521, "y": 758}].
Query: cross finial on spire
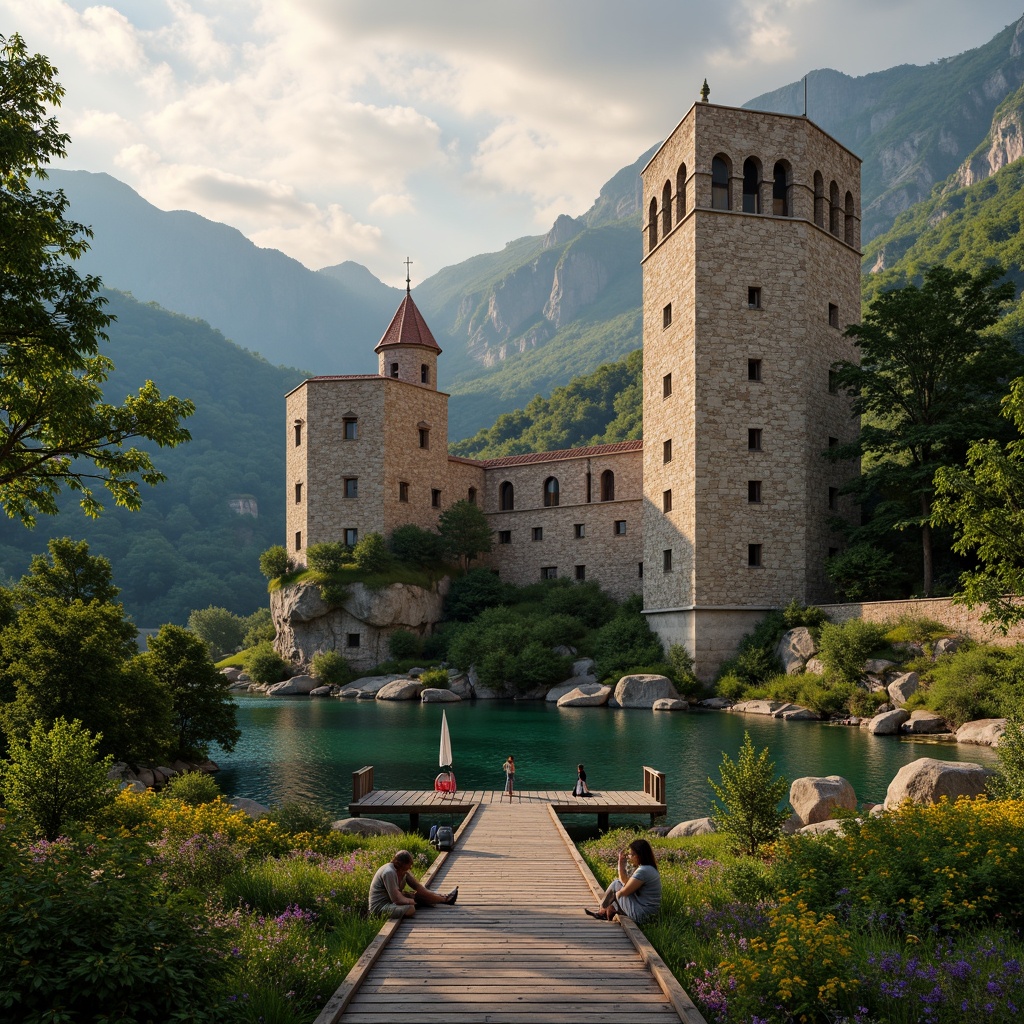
[
  {"x": 705, "y": 92},
  {"x": 408, "y": 283}
]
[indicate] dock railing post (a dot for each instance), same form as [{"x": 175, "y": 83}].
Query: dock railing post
[
  {"x": 362, "y": 783},
  {"x": 654, "y": 784}
]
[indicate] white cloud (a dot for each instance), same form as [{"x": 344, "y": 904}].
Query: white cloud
[{"x": 392, "y": 205}]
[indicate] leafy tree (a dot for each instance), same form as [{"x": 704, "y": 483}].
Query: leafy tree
[
  {"x": 1008, "y": 782},
  {"x": 56, "y": 430},
  {"x": 844, "y": 647},
  {"x": 70, "y": 574},
  {"x": 57, "y": 778},
  {"x": 863, "y": 572},
  {"x": 222, "y": 631},
  {"x": 928, "y": 383},
  {"x": 984, "y": 503},
  {"x": 371, "y": 554},
  {"x": 202, "y": 710},
  {"x": 264, "y": 665},
  {"x": 274, "y": 562},
  {"x": 258, "y": 627},
  {"x": 465, "y": 531},
  {"x": 626, "y": 641},
  {"x": 416, "y": 546},
  {"x": 472, "y": 592},
  {"x": 328, "y": 557},
  {"x": 750, "y": 795}
]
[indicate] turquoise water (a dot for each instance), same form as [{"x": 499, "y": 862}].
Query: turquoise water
[{"x": 297, "y": 748}]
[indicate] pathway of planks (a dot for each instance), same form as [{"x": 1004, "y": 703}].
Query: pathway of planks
[{"x": 517, "y": 948}]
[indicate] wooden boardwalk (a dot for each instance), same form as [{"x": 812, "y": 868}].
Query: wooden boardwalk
[{"x": 517, "y": 948}]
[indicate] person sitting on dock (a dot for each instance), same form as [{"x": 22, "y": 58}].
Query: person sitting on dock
[
  {"x": 387, "y": 890},
  {"x": 637, "y": 895},
  {"x": 581, "y": 789}
]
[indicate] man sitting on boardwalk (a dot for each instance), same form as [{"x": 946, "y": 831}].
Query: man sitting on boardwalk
[{"x": 387, "y": 889}]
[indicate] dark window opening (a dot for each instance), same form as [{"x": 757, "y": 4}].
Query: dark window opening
[
  {"x": 504, "y": 536},
  {"x": 424, "y": 373},
  {"x": 833, "y": 442},
  {"x": 754, "y": 439},
  {"x": 666, "y": 385},
  {"x": 681, "y": 193},
  {"x": 298, "y": 540},
  {"x": 435, "y": 498},
  {"x": 403, "y": 491},
  {"x": 832, "y": 552},
  {"x": 751, "y": 186},
  {"x": 506, "y": 497},
  {"x": 607, "y": 485},
  {"x": 471, "y": 496},
  {"x": 298, "y": 494},
  {"x": 581, "y": 573},
  {"x": 580, "y": 530},
  {"x": 351, "y": 537},
  {"x": 640, "y": 570},
  {"x": 551, "y": 492},
  {"x": 753, "y": 369},
  {"x": 620, "y": 527},
  {"x": 754, "y": 492},
  {"x": 833, "y": 382},
  {"x": 351, "y": 639},
  {"x": 652, "y": 225},
  {"x": 424, "y": 437},
  {"x": 780, "y": 190},
  {"x": 351, "y": 487},
  {"x": 754, "y": 555},
  {"x": 351, "y": 428},
  {"x": 833, "y": 498},
  {"x": 666, "y": 208},
  {"x": 538, "y": 533},
  {"x": 753, "y": 298},
  {"x": 298, "y": 433},
  {"x": 666, "y": 500},
  {"x": 719, "y": 184},
  {"x": 549, "y": 572},
  {"x": 587, "y": 481},
  {"x": 833, "y": 315},
  {"x": 666, "y": 450},
  {"x": 666, "y": 316},
  {"x": 666, "y": 560},
  {"x": 394, "y": 370}
]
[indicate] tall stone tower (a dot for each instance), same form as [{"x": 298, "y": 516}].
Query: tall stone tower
[{"x": 751, "y": 273}]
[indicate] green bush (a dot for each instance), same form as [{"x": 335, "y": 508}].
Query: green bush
[
  {"x": 559, "y": 630},
  {"x": 864, "y": 573},
  {"x": 403, "y": 643},
  {"x": 866, "y": 703},
  {"x": 328, "y": 557},
  {"x": 916, "y": 630},
  {"x": 584, "y": 601},
  {"x": 731, "y": 687},
  {"x": 371, "y": 554},
  {"x": 681, "y": 661},
  {"x": 264, "y": 665},
  {"x": 298, "y": 816},
  {"x": 844, "y": 647},
  {"x": 828, "y": 699},
  {"x": 330, "y": 668},
  {"x": 976, "y": 682},
  {"x": 755, "y": 659},
  {"x": 416, "y": 546},
  {"x": 472, "y": 593},
  {"x": 626, "y": 640},
  {"x": 259, "y": 626},
  {"x": 436, "y": 678},
  {"x": 222, "y": 631},
  {"x": 56, "y": 779},
  {"x": 274, "y": 562},
  {"x": 1008, "y": 782},
  {"x": 192, "y": 788}
]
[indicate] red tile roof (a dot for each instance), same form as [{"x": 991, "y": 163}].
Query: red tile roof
[
  {"x": 408, "y": 328},
  {"x": 565, "y": 453}
]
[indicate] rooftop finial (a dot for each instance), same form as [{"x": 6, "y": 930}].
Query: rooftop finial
[
  {"x": 408, "y": 284},
  {"x": 705, "y": 92}
]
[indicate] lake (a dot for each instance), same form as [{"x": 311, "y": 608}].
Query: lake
[{"x": 298, "y": 748}]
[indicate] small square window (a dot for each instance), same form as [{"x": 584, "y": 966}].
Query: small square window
[
  {"x": 351, "y": 639},
  {"x": 424, "y": 437},
  {"x": 403, "y": 491},
  {"x": 666, "y": 450},
  {"x": 504, "y": 536},
  {"x": 833, "y": 442},
  {"x": 666, "y": 500},
  {"x": 351, "y": 487},
  {"x": 298, "y": 494},
  {"x": 351, "y": 425},
  {"x": 754, "y": 555},
  {"x": 640, "y": 570},
  {"x": 754, "y": 298},
  {"x": 666, "y": 560},
  {"x": 581, "y": 572},
  {"x": 298, "y": 433},
  {"x": 754, "y": 492},
  {"x": 394, "y": 370},
  {"x": 754, "y": 439},
  {"x": 424, "y": 373},
  {"x": 351, "y": 537},
  {"x": 666, "y": 316},
  {"x": 833, "y": 315},
  {"x": 435, "y": 498},
  {"x": 620, "y": 527},
  {"x": 538, "y": 533},
  {"x": 833, "y": 498},
  {"x": 298, "y": 540},
  {"x": 666, "y": 385},
  {"x": 548, "y": 572},
  {"x": 580, "y": 530},
  {"x": 753, "y": 369}
]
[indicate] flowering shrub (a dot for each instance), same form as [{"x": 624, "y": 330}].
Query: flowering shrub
[{"x": 200, "y": 862}]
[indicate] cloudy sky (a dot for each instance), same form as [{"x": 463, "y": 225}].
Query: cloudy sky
[{"x": 375, "y": 129}]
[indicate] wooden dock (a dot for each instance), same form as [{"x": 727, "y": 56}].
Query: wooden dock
[
  {"x": 367, "y": 801},
  {"x": 517, "y": 948}
]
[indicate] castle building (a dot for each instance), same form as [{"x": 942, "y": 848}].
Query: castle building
[{"x": 751, "y": 273}]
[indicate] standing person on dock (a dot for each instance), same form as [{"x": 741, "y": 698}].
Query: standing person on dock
[
  {"x": 387, "y": 890},
  {"x": 637, "y": 895},
  {"x": 581, "y": 788},
  {"x": 509, "y": 768}
]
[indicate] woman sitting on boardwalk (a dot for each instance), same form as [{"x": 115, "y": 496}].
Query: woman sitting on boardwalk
[{"x": 637, "y": 895}]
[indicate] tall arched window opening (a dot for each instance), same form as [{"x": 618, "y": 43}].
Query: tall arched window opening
[
  {"x": 652, "y": 225},
  {"x": 780, "y": 190},
  {"x": 819, "y": 199},
  {"x": 666, "y": 208},
  {"x": 720, "y": 183},
  {"x": 680, "y": 193},
  {"x": 506, "y": 497},
  {"x": 850, "y": 229},
  {"x": 835, "y": 220},
  {"x": 550, "y": 492},
  {"x": 751, "y": 186},
  {"x": 607, "y": 485}
]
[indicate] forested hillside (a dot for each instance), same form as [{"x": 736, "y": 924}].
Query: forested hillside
[{"x": 186, "y": 548}]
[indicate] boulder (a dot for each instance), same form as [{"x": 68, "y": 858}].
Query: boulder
[
  {"x": 641, "y": 691},
  {"x": 947, "y": 645},
  {"x": 816, "y": 799},
  {"x": 888, "y": 722},
  {"x": 459, "y": 684},
  {"x": 366, "y": 695},
  {"x": 291, "y": 687},
  {"x": 400, "y": 689},
  {"x": 182, "y": 767},
  {"x": 366, "y": 827},
  {"x": 564, "y": 651},
  {"x": 583, "y": 667},
  {"x": 817, "y": 827},
  {"x": 590, "y": 695},
  {"x": 208, "y": 767},
  {"x": 231, "y": 673},
  {"x": 760, "y": 707},
  {"x": 795, "y": 713},
  {"x": 716, "y": 703},
  {"x": 924, "y": 723},
  {"x": 350, "y": 693},
  {"x": 927, "y": 780},
  {"x": 694, "y": 827},
  {"x": 985, "y": 732},
  {"x": 251, "y": 807},
  {"x": 670, "y": 704},
  {"x": 432, "y": 695},
  {"x": 239, "y": 684},
  {"x": 555, "y": 693},
  {"x": 372, "y": 684},
  {"x": 877, "y": 667},
  {"x": 146, "y": 777},
  {"x": 902, "y": 688},
  {"x": 911, "y": 648},
  {"x": 795, "y": 648},
  {"x": 164, "y": 772},
  {"x": 134, "y": 787},
  {"x": 815, "y": 666},
  {"x": 322, "y": 691}
]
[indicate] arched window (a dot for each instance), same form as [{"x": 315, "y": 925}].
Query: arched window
[
  {"x": 506, "y": 497},
  {"x": 720, "y": 183},
  {"x": 550, "y": 492},
  {"x": 471, "y": 497},
  {"x": 835, "y": 220},
  {"x": 851, "y": 227},
  {"x": 751, "y": 186},
  {"x": 607, "y": 485},
  {"x": 780, "y": 190},
  {"x": 652, "y": 226},
  {"x": 680, "y": 193},
  {"x": 819, "y": 199},
  {"x": 666, "y": 208}
]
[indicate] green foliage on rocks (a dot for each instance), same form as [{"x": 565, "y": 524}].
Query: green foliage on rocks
[
  {"x": 371, "y": 554},
  {"x": 415, "y": 545},
  {"x": 275, "y": 563},
  {"x": 330, "y": 668},
  {"x": 844, "y": 647},
  {"x": 264, "y": 665},
  {"x": 1008, "y": 782}
]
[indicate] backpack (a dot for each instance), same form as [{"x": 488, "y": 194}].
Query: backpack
[{"x": 444, "y": 837}]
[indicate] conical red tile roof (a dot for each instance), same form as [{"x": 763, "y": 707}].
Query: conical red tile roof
[{"x": 408, "y": 328}]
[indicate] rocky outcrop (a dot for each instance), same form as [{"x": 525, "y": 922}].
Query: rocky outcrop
[
  {"x": 795, "y": 649},
  {"x": 641, "y": 691},
  {"x": 924, "y": 723},
  {"x": 776, "y": 709},
  {"x": 985, "y": 732},
  {"x": 816, "y": 828},
  {"x": 291, "y": 687},
  {"x": 305, "y": 623},
  {"x": 588, "y": 695},
  {"x": 670, "y": 704},
  {"x": 400, "y": 689},
  {"x": 251, "y": 807},
  {"x": 694, "y": 827},
  {"x": 927, "y": 780},
  {"x": 366, "y": 827},
  {"x": 902, "y": 688},
  {"x": 888, "y": 723},
  {"x": 432, "y": 695},
  {"x": 817, "y": 799}
]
